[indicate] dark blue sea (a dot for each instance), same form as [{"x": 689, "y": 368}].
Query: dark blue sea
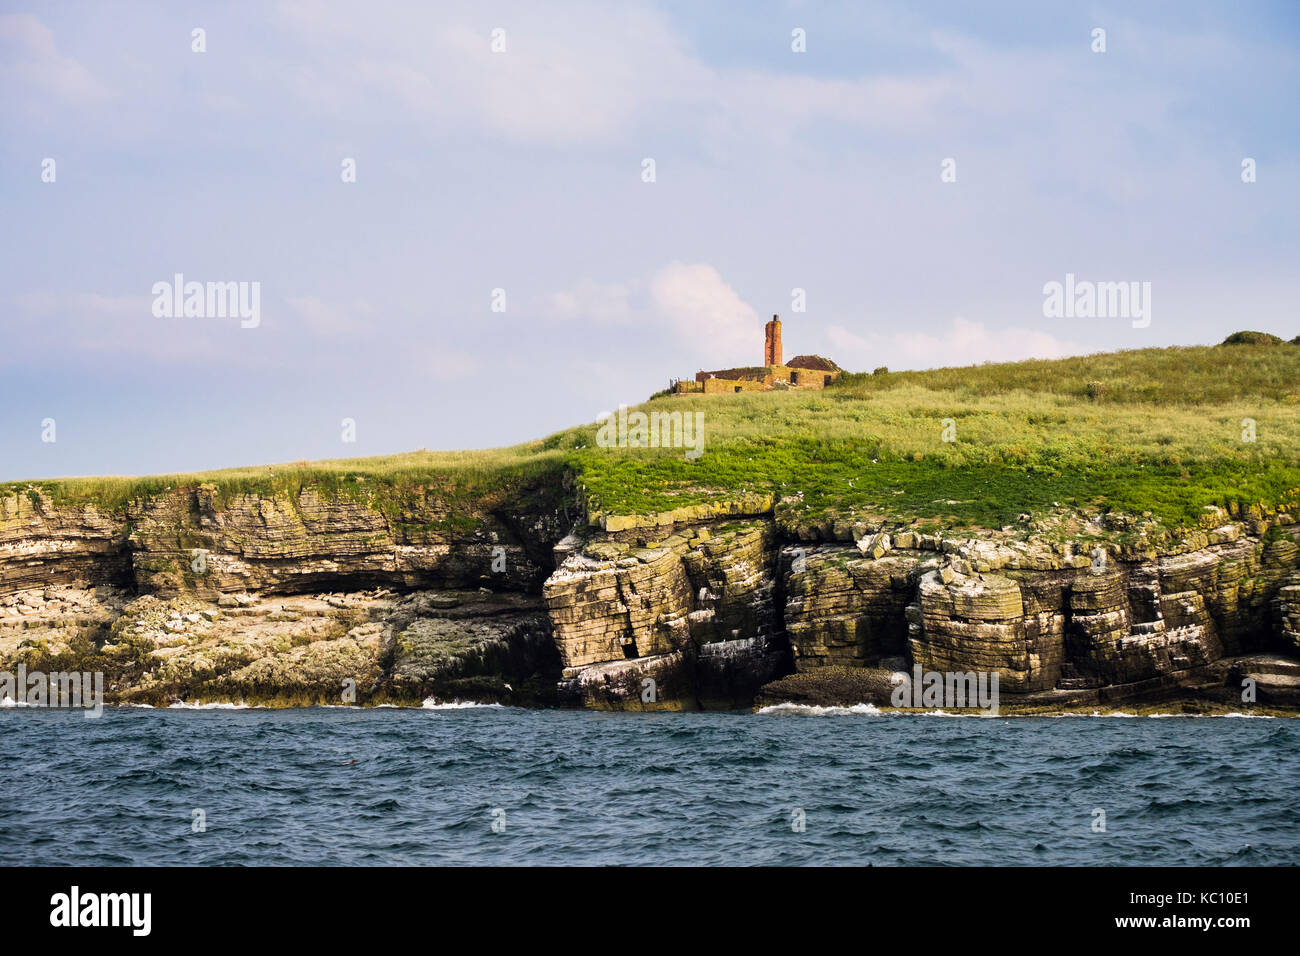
[{"x": 389, "y": 786}]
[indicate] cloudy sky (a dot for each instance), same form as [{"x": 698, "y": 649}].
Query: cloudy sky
[{"x": 523, "y": 169}]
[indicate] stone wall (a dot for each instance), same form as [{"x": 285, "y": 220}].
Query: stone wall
[{"x": 727, "y": 386}]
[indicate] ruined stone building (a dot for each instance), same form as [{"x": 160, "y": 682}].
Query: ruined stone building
[
  {"x": 803, "y": 371},
  {"x": 772, "y": 342}
]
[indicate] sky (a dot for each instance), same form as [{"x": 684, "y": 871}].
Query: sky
[{"x": 899, "y": 181}]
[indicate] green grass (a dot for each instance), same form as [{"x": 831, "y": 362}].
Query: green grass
[
  {"x": 1154, "y": 431},
  {"x": 459, "y": 473}
]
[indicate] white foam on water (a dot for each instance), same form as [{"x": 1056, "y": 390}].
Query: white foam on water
[
  {"x": 224, "y": 705},
  {"x": 813, "y": 710},
  {"x": 1097, "y": 713},
  {"x": 870, "y": 710},
  {"x": 430, "y": 704}
]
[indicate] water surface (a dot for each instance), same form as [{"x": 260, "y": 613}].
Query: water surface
[{"x": 386, "y": 786}]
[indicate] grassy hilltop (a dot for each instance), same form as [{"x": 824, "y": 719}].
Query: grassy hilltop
[
  {"x": 1157, "y": 431},
  {"x": 1154, "y": 430}
]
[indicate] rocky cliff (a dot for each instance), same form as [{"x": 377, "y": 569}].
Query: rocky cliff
[
  {"x": 1055, "y": 626},
  {"x": 287, "y": 597},
  {"x": 689, "y": 619},
  {"x": 319, "y": 594}
]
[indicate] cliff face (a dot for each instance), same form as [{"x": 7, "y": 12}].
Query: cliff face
[
  {"x": 188, "y": 541},
  {"x": 687, "y": 620},
  {"x": 292, "y": 598},
  {"x": 311, "y": 595},
  {"x": 41, "y": 544},
  {"x": 1057, "y": 624},
  {"x": 1044, "y": 620}
]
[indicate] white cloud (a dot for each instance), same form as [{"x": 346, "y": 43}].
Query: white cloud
[
  {"x": 687, "y": 306},
  {"x": 332, "y": 318},
  {"x": 31, "y": 55},
  {"x": 702, "y": 308},
  {"x": 964, "y": 343},
  {"x": 574, "y": 75},
  {"x": 441, "y": 362},
  {"x": 93, "y": 306},
  {"x": 604, "y": 304},
  {"x": 578, "y": 73},
  {"x": 90, "y": 323}
]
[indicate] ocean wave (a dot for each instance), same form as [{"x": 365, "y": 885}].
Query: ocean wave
[
  {"x": 430, "y": 704},
  {"x": 219, "y": 705},
  {"x": 1234, "y": 714},
  {"x": 867, "y": 710},
  {"x": 343, "y": 788},
  {"x": 813, "y": 710},
  {"x": 1120, "y": 713}
]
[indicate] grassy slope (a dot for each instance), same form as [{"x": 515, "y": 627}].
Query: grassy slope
[
  {"x": 1153, "y": 430},
  {"x": 1156, "y": 430}
]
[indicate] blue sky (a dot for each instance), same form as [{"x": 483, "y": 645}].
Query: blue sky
[{"x": 522, "y": 170}]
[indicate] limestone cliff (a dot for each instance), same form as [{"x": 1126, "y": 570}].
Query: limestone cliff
[
  {"x": 690, "y": 619},
  {"x": 290, "y": 597},
  {"x": 1046, "y": 620},
  {"x": 516, "y": 595},
  {"x": 308, "y": 539}
]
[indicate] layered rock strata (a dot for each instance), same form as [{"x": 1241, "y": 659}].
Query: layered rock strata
[
  {"x": 516, "y": 595},
  {"x": 334, "y": 648},
  {"x": 1044, "y": 620},
  {"x": 193, "y": 540},
  {"x": 686, "y": 620}
]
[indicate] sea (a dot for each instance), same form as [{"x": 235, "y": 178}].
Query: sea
[{"x": 457, "y": 784}]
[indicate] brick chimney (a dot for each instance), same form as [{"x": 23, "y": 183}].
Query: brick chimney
[{"x": 772, "y": 342}]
